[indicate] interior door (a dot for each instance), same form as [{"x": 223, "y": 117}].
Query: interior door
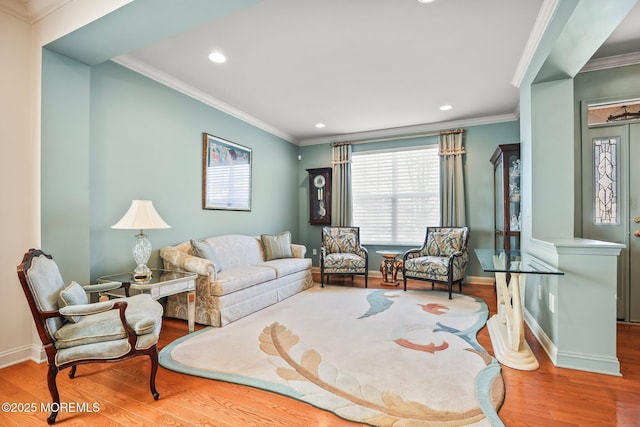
[
  {"x": 606, "y": 191},
  {"x": 634, "y": 223}
]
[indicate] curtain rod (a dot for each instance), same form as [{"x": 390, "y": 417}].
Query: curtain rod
[{"x": 392, "y": 138}]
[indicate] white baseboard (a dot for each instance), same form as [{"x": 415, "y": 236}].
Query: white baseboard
[
  {"x": 481, "y": 280},
  {"x": 572, "y": 360},
  {"x": 21, "y": 354},
  {"x": 547, "y": 345},
  {"x": 475, "y": 280}
]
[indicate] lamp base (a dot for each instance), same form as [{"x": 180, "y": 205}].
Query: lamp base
[
  {"x": 141, "y": 252},
  {"x": 142, "y": 273}
]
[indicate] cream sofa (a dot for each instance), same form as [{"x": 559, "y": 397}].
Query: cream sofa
[{"x": 242, "y": 283}]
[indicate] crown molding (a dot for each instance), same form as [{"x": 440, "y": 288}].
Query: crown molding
[
  {"x": 40, "y": 9},
  {"x": 408, "y": 130},
  {"x": 32, "y": 11},
  {"x": 173, "y": 83},
  {"x": 15, "y": 8},
  {"x": 543, "y": 19},
  {"x": 611, "y": 62}
]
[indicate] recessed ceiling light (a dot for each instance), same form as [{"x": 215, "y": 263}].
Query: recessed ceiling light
[
  {"x": 426, "y": 1},
  {"x": 446, "y": 107},
  {"x": 320, "y": 125},
  {"x": 217, "y": 57}
]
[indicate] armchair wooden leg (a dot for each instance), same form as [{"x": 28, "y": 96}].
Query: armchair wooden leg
[
  {"x": 72, "y": 372},
  {"x": 154, "y": 369},
  {"x": 53, "y": 390},
  {"x": 404, "y": 279}
]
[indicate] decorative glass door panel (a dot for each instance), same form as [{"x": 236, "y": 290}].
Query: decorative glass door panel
[{"x": 605, "y": 191}]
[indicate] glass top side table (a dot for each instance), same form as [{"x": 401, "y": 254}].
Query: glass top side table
[
  {"x": 506, "y": 328},
  {"x": 162, "y": 283}
]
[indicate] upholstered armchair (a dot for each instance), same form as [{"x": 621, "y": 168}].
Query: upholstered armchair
[
  {"x": 443, "y": 257},
  {"x": 341, "y": 253},
  {"x": 74, "y": 332}
]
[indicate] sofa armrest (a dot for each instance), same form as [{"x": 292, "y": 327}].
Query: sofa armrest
[
  {"x": 298, "y": 251},
  {"x": 186, "y": 262}
]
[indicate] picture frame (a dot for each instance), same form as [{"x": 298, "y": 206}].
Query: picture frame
[{"x": 226, "y": 174}]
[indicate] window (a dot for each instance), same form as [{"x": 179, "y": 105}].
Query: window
[{"x": 396, "y": 194}]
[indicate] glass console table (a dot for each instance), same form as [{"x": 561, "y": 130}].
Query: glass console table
[{"x": 506, "y": 328}]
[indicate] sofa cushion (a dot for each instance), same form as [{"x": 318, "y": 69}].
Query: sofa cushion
[
  {"x": 74, "y": 294},
  {"x": 234, "y": 279},
  {"x": 276, "y": 246},
  {"x": 288, "y": 266},
  {"x": 202, "y": 249},
  {"x": 236, "y": 250}
]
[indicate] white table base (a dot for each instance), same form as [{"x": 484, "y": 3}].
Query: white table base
[{"x": 506, "y": 328}]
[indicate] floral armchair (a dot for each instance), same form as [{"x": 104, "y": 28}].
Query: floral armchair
[
  {"x": 74, "y": 331},
  {"x": 341, "y": 253},
  {"x": 443, "y": 257}
]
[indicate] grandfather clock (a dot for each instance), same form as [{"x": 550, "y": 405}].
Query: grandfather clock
[{"x": 320, "y": 196}]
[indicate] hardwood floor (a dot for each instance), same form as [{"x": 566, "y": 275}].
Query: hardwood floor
[{"x": 549, "y": 396}]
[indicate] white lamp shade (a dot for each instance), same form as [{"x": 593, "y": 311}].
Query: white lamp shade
[{"x": 141, "y": 216}]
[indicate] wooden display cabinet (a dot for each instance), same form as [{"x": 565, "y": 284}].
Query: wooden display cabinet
[{"x": 506, "y": 196}]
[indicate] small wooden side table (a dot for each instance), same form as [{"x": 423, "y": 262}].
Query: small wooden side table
[{"x": 387, "y": 267}]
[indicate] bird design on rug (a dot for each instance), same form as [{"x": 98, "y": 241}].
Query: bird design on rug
[
  {"x": 427, "y": 348},
  {"x": 379, "y": 301},
  {"x": 436, "y": 309}
]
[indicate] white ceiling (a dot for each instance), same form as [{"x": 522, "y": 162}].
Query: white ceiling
[
  {"x": 360, "y": 66},
  {"x": 356, "y": 65}
]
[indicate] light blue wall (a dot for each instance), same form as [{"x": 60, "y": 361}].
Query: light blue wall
[
  {"x": 141, "y": 140},
  {"x": 144, "y": 140},
  {"x": 65, "y": 164},
  {"x": 480, "y": 143}
]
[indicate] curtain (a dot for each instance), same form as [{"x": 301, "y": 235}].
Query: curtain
[
  {"x": 452, "y": 205},
  {"x": 341, "y": 185}
]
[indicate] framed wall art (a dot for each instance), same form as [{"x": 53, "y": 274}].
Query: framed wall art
[
  {"x": 226, "y": 175},
  {"x": 320, "y": 196}
]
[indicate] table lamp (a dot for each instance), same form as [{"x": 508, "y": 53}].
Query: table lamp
[{"x": 141, "y": 216}]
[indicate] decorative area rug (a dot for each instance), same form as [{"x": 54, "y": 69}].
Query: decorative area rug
[{"x": 385, "y": 358}]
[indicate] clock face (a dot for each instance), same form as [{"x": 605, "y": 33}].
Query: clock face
[{"x": 319, "y": 181}]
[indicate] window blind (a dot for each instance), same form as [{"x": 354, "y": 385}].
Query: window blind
[{"x": 395, "y": 194}]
